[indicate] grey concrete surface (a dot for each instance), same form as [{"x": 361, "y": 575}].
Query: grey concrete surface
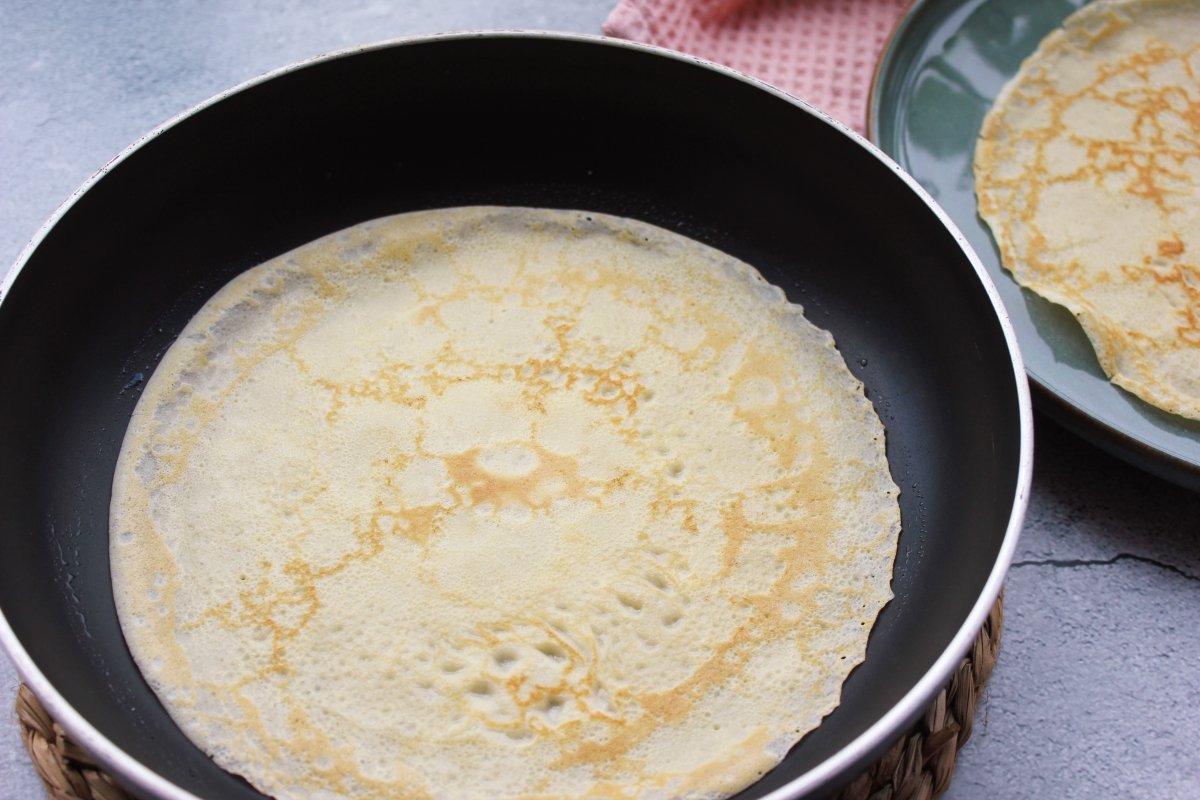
[{"x": 1097, "y": 691}]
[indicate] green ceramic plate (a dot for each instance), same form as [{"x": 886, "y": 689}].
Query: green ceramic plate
[{"x": 945, "y": 63}]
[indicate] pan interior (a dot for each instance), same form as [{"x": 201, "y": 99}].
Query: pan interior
[{"x": 505, "y": 120}]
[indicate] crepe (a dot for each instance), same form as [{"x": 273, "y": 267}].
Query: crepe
[
  {"x": 1087, "y": 171},
  {"x": 486, "y": 503}
]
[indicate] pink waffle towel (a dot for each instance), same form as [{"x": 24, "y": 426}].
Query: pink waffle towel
[{"x": 822, "y": 51}]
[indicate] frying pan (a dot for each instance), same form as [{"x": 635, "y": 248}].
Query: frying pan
[{"x": 509, "y": 119}]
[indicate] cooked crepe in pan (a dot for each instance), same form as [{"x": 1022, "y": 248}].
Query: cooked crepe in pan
[
  {"x": 483, "y": 503},
  {"x": 1087, "y": 170}
]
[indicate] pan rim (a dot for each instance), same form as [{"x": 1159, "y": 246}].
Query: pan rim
[{"x": 880, "y": 733}]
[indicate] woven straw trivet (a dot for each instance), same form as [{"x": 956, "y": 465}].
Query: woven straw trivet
[{"x": 917, "y": 767}]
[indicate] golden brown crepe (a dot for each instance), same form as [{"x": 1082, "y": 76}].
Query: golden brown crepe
[
  {"x": 1087, "y": 170},
  {"x": 483, "y": 503}
]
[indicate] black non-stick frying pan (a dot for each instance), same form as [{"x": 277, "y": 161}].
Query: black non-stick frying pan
[{"x": 508, "y": 119}]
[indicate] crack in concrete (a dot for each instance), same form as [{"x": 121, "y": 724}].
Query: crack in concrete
[{"x": 1105, "y": 562}]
